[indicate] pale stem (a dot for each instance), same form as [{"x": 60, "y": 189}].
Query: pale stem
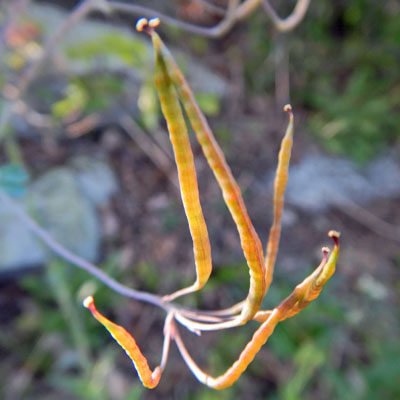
[
  {"x": 199, "y": 326},
  {"x": 77, "y": 261},
  {"x": 290, "y": 22},
  {"x": 235, "y": 12},
  {"x": 119, "y": 288},
  {"x": 169, "y": 331}
]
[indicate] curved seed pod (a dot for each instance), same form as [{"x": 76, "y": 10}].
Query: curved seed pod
[
  {"x": 187, "y": 176},
  {"x": 149, "y": 378},
  {"x": 280, "y": 182},
  {"x": 239, "y": 366},
  {"x": 327, "y": 271},
  {"x": 290, "y": 304},
  {"x": 311, "y": 287},
  {"x": 249, "y": 239},
  {"x": 303, "y": 294}
]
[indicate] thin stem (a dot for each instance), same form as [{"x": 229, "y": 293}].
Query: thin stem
[
  {"x": 197, "y": 372},
  {"x": 195, "y": 326},
  {"x": 235, "y": 12},
  {"x": 235, "y": 309},
  {"x": 108, "y": 281},
  {"x": 290, "y": 22},
  {"x": 169, "y": 331},
  {"x": 198, "y": 316},
  {"x": 79, "y": 262},
  {"x": 238, "y": 367},
  {"x": 112, "y": 283}
]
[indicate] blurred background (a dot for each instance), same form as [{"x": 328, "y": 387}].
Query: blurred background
[{"x": 84, "y": 149}]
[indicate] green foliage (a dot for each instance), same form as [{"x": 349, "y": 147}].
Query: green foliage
[
  {"x": 101, "y": 91},
  {"x": 353, "y": 101},
  {"x": 110, "y": 46},
  {"x": 87, "y": 95},
  {"x": 362, "y": 120},
  {"x": 75, "y": 100},
  {"x": 148, "y": 105},
  {"x": 344, "y": 66},
  {"x": 148, "y": 274},
  {"x": 307, "y": 359},
  {"x": 208, "y": 103}
]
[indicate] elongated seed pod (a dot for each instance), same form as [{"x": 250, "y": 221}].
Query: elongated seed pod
[
  {"x": 149, "y": 378},
  {"x": 249, "y": 239},
  {"x": 239, "y": 366},
  {"x": 311, "y": 287},
  {"x": 280, "y": 182},
  {"x": 303, "y": 294},
  {"x": 187, "y": 176}
]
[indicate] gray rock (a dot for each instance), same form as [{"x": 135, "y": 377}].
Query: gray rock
[
  {"x": 18, "y": 246},
  {"x": 95, "y": 178},
  {"x": 203, "y": 80},
  {"x": 320, "y": 182},
  {"x": 60, "y": 207},
  {"x": 384, "y": 175},
  {"x": 63, "y": 201}
]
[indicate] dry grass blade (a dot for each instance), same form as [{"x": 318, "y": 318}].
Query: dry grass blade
[{"x": 290, "y": 22}]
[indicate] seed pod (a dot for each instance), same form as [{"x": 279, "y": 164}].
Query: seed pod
[
  {"x": 187, "y": 175},
  {"x": 149, "y": 378},
  {"x": 249, "y": 239}
]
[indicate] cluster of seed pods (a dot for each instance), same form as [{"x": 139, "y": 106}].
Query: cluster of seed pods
[{"x": 176, "y": 98}]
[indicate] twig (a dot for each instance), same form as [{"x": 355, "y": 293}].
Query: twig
[
  {"x": 77, "y": 261},
  {"x": 290, "y": 22},
  {"x": 169, "y": 332},
  {"x": 234, "y": 13},
  {"x": 90, "y": 268}
]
